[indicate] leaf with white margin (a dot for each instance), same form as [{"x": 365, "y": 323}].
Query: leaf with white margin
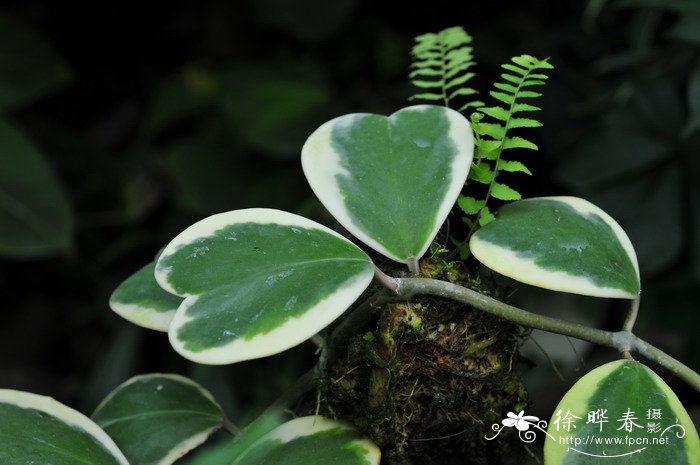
[
  {"x": 619, "y": 387},
  {"x": 311, "y": 440},
  {"x": 226, "y": 452},
  {"x": 391, "y": 181},
  {"x": 140, "y": 300},
  {"x": 38, "y": 429},
  {"x": 257, "y": 282},
  {"x": 156, "y": 419},
  {"x": 560, "y": 243}
]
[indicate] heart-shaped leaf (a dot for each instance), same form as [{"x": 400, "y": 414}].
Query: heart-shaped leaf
[
  {"x": 391, "y": 181},
  {"x": 311, "y": 440},
  {"x": 560, "y": 243},
  {"x": 257, "y": 282},
  {"x": 37, "y": 429},
  {"x": 140, "y": 300},
  {"x": 158, "y": 418},
  {"x": 621, "y": 413}
]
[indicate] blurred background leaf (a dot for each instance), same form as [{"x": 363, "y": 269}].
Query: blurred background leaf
[
  {"x": 29, "y": 67},
  {"x": 35, "y": 216}
]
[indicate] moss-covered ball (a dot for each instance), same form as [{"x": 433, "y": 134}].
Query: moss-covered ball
[{"x": 427, "y": 378}]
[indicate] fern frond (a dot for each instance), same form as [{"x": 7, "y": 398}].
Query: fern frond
[
  {"x": 442, "y": 61},
  {"x": 493, "y": 124}
]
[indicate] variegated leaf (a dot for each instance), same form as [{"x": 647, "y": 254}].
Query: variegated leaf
[
  {"x": 391, "y": 181},
  {"x": 621, "y": 413},
  {"x": 156, "y": 419},
  {"x": 560, "y": 243},
  {"x": 140, "y": 300},
  {"x": 39, "y": 430},
  {"x": 257, "y": 282},
  {"x": 311, "y": 440}
]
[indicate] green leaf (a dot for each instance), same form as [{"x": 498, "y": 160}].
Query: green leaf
[
  {"x": 627, "y": 402},
  {"x": 506, "y": 87},
  {"x": 481, "y": 172},
  {"x": 425, "y": 72},
  {"x": 426, "y": 64},
  {"x": 459, "y": 80},
  {"x": 454, "y": 69},
  {"x": 469, "y": 205},
  {"x": 311, "y": 440},
  {"x": 503, "y": 97},
  {"x": 560, "y": 243},
  {"x": 227, "y": 452},
  {"x": 518, "y": 143},
  {"x": 485, "y": 146},
  {"x": 523, "y": 123},
  {"x": 472, "y": 104},
  {"x": 30, "y": 67},
  {"x": 447, "y": 55},
  {"x": 499, "y": 113},
  {"x": 528, "y": 94},
  {"x": 427, "y": 84},
  {"x": 391, "y": 181},
  {"x": 529, "y": 62},
  {"x": 519, "y": 107},
  {"x": 37, "y": 429},
  {"x": 512, "y": 167},
  {"x": 140, "y": 300},
  {"x": 35, "y": 217},
  {"x": 494, "y": 130},
  {"x": 502, "y": 192},
  {"x": 158, "y": 418},
  {"x": 511, "y": 78},
  {"x": 514, "y": 69},
  {"x": 486, "y": 217},
  {"x": 257, "y": 282},
  {"x": 462, "y": 91},
  {"x": 426, "y": 96}
]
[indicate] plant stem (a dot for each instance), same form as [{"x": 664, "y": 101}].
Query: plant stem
[
  {"x": 631, "y": 316},
  {"x": 230, "y": 427},
  {"x": 624, "y": 341},
  {"x": 628, "y": 325},
  {"x": 317, "y": 340},
  {"x": 414, "y": 266}
]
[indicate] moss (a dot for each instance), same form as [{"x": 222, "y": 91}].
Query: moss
[{"x": 428, "y": 377}]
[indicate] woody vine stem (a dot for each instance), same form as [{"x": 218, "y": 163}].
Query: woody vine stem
[{"x": 624, "y": 341}]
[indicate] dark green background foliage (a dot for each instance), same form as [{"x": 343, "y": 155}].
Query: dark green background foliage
[{"x": 150, "y": 118}]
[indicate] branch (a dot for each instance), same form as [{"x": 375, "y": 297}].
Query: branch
[{"x": 624, "y": 341}]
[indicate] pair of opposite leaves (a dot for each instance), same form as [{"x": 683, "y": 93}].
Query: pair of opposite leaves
[{"x": 251, "y": 283}]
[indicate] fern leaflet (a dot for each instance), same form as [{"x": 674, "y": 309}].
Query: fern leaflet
[
  {"x": 440, "y": 68},
  {"x": 492, "y": 126}
]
